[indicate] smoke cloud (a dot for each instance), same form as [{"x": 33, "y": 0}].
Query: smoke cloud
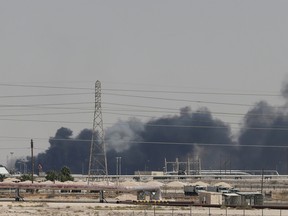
[
  {"x": 265, "y": 129},
  {"x": 143, "y": 146},
  {"x": 192, "y": 128},
  {"x": 284, "y": 90},
  {"x": 119, "y": 137},
  {"x": 65, "y": 150},
  {"x": 261, "y": 143}
]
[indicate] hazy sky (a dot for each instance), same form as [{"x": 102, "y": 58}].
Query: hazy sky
[{"x": 177, "y": 46}]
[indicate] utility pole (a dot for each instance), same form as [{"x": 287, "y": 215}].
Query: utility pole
[
  {"x": 118, "y": 169},
  {"x": 11, "y": 161},
  {"x": 32, "y": 160},
  {"x": 262, "y": 180},
  {"x": 118, "y": 166},
  {"x": 97, "y": 159}
]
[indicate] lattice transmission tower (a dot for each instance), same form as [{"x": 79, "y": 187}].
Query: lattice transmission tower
[{"x": 97, "y": 160}]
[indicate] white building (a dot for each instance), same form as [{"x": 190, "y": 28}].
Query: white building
[
  {"x": 210, "y": 198},
  {"x": 3, "y": 171}
]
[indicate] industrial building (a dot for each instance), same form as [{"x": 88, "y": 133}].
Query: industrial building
[
  {"x": 210, "y": 198},
  {"x": 3, "y": 171}
]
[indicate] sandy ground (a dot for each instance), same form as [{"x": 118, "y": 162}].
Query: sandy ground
[{"x": 29, "y": 208}]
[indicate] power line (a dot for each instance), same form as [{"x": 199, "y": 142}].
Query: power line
[
  {"x": 141, "y": 96},
  {"x": 172, "y": 143},
  {"x": 136, "y": 96},
  {"x": 44, "y": 114},
  {"x": 192, "y": 113},
  {"x": 219, "y": 127},
  {"x": 140, "y": 106},
  {"x": 211, "y": 144},
  {"x": 141, "y": 90},
  {"x": 44, "y": 121},
  {"x": 43, "y": 86},
  {"x": 68, "y": 106},
  {"x": 47, "y": 104},
  {"x": 43, "y": 95},
  {"x": 193, "y": 92},
  {"x": 180, "y": 100},
  {"x": 120, "y": 111},
  {"x": 154, "y": 125}
]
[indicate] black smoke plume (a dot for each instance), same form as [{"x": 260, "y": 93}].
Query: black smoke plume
[
  {"x": 143, "y": 146},
  {"x": 67, "y": 151},
  {"x": 261, "y": 143},
  {"x": 179, "y": 136},
  {"x": 265, "y": 130}
]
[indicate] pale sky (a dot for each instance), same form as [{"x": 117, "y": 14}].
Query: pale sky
[{"x": 160, "y": 45}]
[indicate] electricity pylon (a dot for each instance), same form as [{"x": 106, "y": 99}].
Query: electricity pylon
[{"x": 97, "y": 160}]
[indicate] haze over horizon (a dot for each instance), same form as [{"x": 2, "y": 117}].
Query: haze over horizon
[{"x": 152, "y": 57}]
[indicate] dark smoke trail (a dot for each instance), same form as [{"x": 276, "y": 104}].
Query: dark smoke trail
[{"x": 266, "y": 126}]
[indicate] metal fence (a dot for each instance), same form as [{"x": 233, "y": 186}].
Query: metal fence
[{"x": 189, "y": 211}]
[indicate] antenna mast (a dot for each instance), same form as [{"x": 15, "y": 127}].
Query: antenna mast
[{"x": 97, "y": 160}]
